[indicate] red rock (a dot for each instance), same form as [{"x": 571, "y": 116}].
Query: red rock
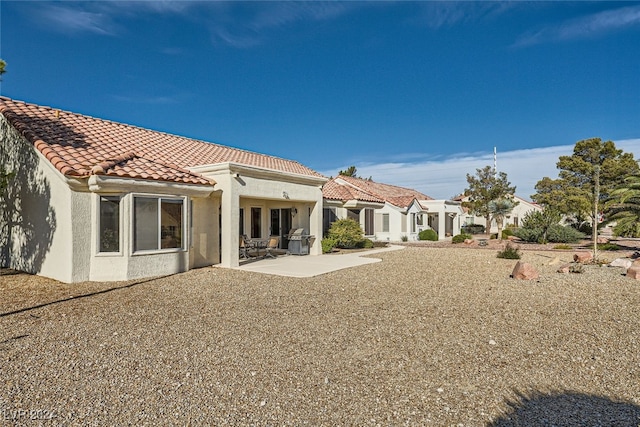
[
  {"x": 582, "y": 257},
  {"x": 633, "y": 272},
  {"x": 524, "y": 271},
  {"x": 564, "y": 268},
  {"x": 602, "y": 240}
]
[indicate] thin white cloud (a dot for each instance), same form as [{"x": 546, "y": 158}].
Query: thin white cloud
[
  {"x": 259, "y": 21},
  {"x": 99, "y": 17},
  {"x": 70, "y": 19},
  {"x": 151, "y": 100},
  {"x": 586, "y": 26},
  {"x": 446, "y": 178},
  {"x": 439, "y": 14}
]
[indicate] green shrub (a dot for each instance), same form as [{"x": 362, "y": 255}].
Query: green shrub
[
  {"x": 460, "y": 238},
  {"x": 346, "y": 233},
  {"x": 531, "y": 235},
  {"x": 428, "y": 234},
  {"x": 366, "y": 244},
  {"x": 473, "y": 229},
  {"x": 509, "y": 252},
  {"x": 328, "y": 245},
  {"x": 507, "y": 232},
  {"x": 608, "y": 247},
  {"x": 563, "y": 234},
  {"x": 563, "y": 246}
]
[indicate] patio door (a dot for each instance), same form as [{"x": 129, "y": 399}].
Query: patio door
[{"x": 280, "y": 225}]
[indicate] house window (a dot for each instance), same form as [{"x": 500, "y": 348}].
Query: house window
[
  {"x": 158, "y": 223},
  {"x": 368, "y": 222},
  {"x": 241, "y": 222},
  {"x": 109, "y": 237},
  {"x": 419, "y": 220},
  {"x": 256, "y": 218},
  {"x": 413, "y": 223},
  {"x": 385, "y": 223},
  {"x": 328, "y": 217},
  {"x": 515, "y": 221}
]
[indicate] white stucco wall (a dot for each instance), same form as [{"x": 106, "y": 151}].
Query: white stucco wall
[
  {"x": 37, "y": 236},
  {"x": 246, "y": 187}
]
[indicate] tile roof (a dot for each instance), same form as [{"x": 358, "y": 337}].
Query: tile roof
[
  {"x": 366, "y": 190},
  {"x": 81, "y": 146},
  {"x": 334, "y": 191}
]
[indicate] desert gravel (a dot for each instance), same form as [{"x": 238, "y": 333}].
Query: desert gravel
[{"x": 428, "y": 336}]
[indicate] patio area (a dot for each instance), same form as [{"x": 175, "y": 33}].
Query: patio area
[{"x": 310, "y": 266}]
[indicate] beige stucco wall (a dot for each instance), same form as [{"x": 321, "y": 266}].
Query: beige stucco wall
[
  {"x": 37, "y": 236},
  {"x": 245, "y": 187}
]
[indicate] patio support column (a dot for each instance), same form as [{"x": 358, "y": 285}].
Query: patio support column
[
  {"x": 442, "y": 226},
  {"x": 230, "y": 240},
  {"x": 315, "y": 226}
]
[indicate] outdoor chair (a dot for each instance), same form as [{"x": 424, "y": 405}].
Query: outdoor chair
[
  {"x": 272, "y": 246},
  {"x": 245, "y": 245}
]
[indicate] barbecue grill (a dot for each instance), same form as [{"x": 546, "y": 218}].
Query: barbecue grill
[{"x": 299, "y": 241}]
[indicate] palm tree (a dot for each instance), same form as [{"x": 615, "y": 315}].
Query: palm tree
[
  {"x": 624, "y": 207},
  {"x": 498, "y": 210}
]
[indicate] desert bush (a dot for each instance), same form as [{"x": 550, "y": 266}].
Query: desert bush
[
  {"x": 607, "y": 247},
  {"x": 328, "y": 245},
  {"x": 472, "y": 229},
  {"x": 510, "y": 252},
  {"x": 563, "y": 234},
  {"x": 346, "y": 233},
  {"x": 428, "y": 234},
  {"x": 460, "y": 238},
  {"x": 366, "y": 244},
  {"x": 531, "y": 235},
  {"x": 507, "y": 232},
  {"x": 404, "y": 238},
  {"x": 562, "y": 246}
]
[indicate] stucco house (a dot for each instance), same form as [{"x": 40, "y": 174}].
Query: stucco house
[
  {"x": 97, "y": 200},
  {"x": 514, "y": 219},
  {"x": 387, "y": 212}
]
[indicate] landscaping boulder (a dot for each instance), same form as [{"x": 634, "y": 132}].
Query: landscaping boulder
[
  {"x": 524, "y": 271},
  {"x": 602, "y": 240},
  {"x": 634, "y": 272},
  {"x": 564, "y": 268},
  {"x": 469, "y": 241},
  {"x": 582, "y": 257},
  {"x": 621, "y": 262}
]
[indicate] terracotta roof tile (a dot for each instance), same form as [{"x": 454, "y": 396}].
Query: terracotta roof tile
[
  {"x": 79, "y": 145},
  {"x": 397, "y": 196}
]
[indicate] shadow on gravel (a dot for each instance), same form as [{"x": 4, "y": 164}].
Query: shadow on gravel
[
  {"x": 76, "y": 297},
  {"x": 565, "y": 409}
]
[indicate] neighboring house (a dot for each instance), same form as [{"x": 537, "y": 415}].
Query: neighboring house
[
  {"x": 98, "y": 200},
  {"x": 513, "y": 220},
  {"x": 387, "y": 212}
]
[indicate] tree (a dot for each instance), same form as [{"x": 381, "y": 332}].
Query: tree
[
  {"x": 4, "y": 176},
  {"x": 484, "y": 188},
  {"x": 573, "y": 192},
  {"x": 499, "y": 209},
  {"x": 589, "y": 176},
  {"x": 623, "y": 207},
  {"x": 350, "y": 171}
]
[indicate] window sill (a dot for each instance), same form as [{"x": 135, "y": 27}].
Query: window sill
[{"x": 158, "y": 251}]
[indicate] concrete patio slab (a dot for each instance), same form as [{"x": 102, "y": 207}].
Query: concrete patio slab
[{"x": 310, "y": 266}]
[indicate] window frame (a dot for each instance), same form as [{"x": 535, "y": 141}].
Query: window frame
[
  {"x": 98, "y": 223},
  {"x": 184, "y": 226}
]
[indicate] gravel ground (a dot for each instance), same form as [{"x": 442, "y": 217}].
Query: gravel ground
[{"x": 428, "y": 336}]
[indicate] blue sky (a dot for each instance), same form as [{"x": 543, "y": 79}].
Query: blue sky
[{"x": 415, "y": 94}]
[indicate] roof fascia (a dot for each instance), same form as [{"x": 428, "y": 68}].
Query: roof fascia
[
  {"x": 257, "y": 172},
  {"x": 361, "y": 204},
  {"x": 107, "y": 184}
]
